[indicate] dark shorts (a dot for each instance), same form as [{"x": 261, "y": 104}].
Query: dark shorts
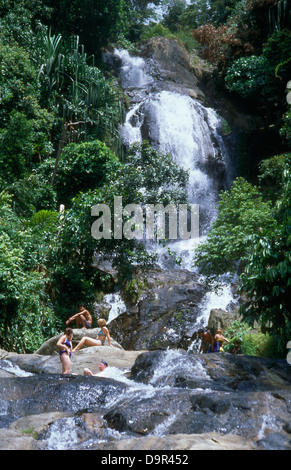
[{"x": 87, "y": 324}]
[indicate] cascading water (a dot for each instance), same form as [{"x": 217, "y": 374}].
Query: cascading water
[
  {"x": 176, "y": 124},
  {"x": 181, "y": 126},
  {"x": 117, "y": 305}
]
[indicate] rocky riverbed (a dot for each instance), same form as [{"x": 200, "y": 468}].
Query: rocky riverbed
[
  {"x": 164, "y": 399},
  {"x": 160, "y": 393}
]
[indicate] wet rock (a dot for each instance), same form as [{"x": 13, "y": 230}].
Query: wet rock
[
  {"x": 174, "y": 71},
  {"x": 275, "y": 441},
  {"x": 50, "y": 364},
  {"x": 227, "y": 371},
  {"x": 36, "y": 424},
  {"x": 169, "y": 393},
  {"x": 12, "y": 440},
  {"x": 244, "y": 396},
  {"x": 49, "y": 393},
  {"x": 164, "y": 315}
]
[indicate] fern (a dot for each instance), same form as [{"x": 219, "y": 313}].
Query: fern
[{"x": 43, "y": 221}]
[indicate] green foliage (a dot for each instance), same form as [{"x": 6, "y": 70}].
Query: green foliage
[
  {"x": 252, "y": 343},
  {"x": 24, "y": 124},
  {"x": 257, "y": 234},
  {"x": 32, "y": 194},
  {"x": 285, "y": 130},
  {"x": 247, "y": 76},
  {"x": 242, "y": 212},
  {"x": 156, "y": 29},
  {"x": 148, "y": 176},
  {"x": 17, "y": 79},
  {"x": 106, "y": 20},
  {"x": 88, "y": 105},
  {"x": 175, "y": 9},
  {"x": 267, "y": 281},
  {"x": 263, "y": 78},
  {"x": 26, "y": 319},
  {"x": 270, "y": 176},
  {"x": 221, "y": 10},
  {"x": 81, "y": 167}
]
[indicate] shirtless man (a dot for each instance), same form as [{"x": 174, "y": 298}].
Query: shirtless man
[
  {"x": 102, "y": 370},
  {"x": 83, "y": 318},
  {"x": 206, "y": 338}
]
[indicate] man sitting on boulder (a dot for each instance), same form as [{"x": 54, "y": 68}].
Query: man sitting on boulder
[{"x": 83, "y": 318}]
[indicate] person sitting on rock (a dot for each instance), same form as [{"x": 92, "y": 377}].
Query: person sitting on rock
[
  {"x": 206, "y": 338},
  {"x": 83, "y": 318},
  {"x": 219, "y": 339},
  {"x": 102, "y": 335},
  {"x": 103, "y": 372}
]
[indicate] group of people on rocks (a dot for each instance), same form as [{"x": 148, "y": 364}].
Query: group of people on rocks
[
  {"x": 83, "y": 319},
  {"x": 215, "y": 343}
]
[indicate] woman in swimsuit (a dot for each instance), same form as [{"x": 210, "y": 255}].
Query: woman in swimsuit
[
  {"x": 65, "y": 344},
  {"x": 102, "y": 335},
  {"x": 219, "y": 339}
]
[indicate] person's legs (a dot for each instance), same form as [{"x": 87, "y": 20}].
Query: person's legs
[
  {"x": 80, "y": 321},
  {"x": 66, "y": 363},
  {"x": 86, "y": 341}
]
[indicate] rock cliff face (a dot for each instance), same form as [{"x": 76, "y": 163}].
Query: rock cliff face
[{"x": 174, "y": 71}]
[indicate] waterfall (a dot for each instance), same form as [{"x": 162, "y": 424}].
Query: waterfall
[
  {"x": 163, "y": 111},
  {"x": 117, "y": 305},
  {"x": 177, "y": 124}
]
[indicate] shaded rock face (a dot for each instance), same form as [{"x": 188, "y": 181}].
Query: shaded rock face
[
  {"x": 164, "y": 315},
  {"x": 50, "y": 392},
  {"x": 166, "y": 66},
  {"x": 172, "y": 64}
]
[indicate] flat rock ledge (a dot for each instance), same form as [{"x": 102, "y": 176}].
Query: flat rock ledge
[{"x": 20, "y": 436}]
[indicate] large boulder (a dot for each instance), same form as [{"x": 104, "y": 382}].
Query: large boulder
[
  {"x": 164, "y": 314},
  {"x": 88, "y": 357},
  {"x": 172, "y": 63},
  {"x": 222, "y": 319}
]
